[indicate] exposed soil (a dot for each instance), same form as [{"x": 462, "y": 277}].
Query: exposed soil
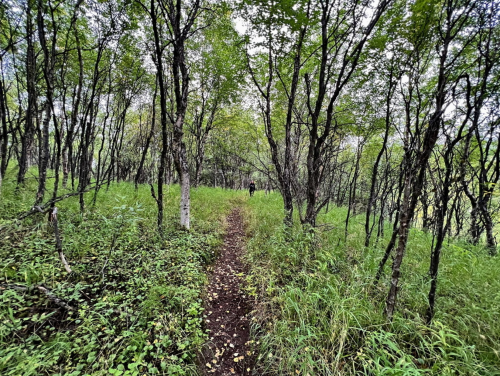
[{"x": 227, "y": 309}]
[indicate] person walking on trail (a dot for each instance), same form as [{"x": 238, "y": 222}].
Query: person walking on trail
[{"x": 251, "y": 187}]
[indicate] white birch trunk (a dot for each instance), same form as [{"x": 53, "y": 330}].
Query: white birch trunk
[{"x": 185, "y": 200}]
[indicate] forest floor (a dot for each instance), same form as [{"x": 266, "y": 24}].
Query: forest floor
[
  {"x": 227, "y": 308},
  {"x": 181, "y": 303}
]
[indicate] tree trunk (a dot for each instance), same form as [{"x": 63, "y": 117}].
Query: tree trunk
[
  {"x": 436, "y": 251},
  {"x": 181, "y": 90},
  {"x": 352, "y": 190},
  {"x": 68, "y": 165},
  {"x": 4, "y": 135},
  {"x": 150, "y": 136},
  {"x": 27, "y": 136},
  {"x": 373, "y": 184},
  {"x": 44, "y": 155}
]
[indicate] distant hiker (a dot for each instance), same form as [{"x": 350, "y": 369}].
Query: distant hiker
[{"x": 251, "y": 187}]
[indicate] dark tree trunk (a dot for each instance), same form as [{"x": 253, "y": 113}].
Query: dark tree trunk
[
  {"x": 441, "y": 232},
  {"x": 149, "y": 137},
  {"x": 29, "y": 129},
  {"x": 352, "y": 189},
  {"x": 320, "y": 133},
  {"x": 284, "y": 169},
  {"x": 4, "y": 141},
  {"x": 163, "y": 111},
  {"x": 4, "y": 134},
  {"x": 67, "y": 152},
  {"x": 388, "y": 250},
  {"x": 44, "y": 155},
  {"x": 416, "y": 167},
  {"x": 373, "y": 184}
]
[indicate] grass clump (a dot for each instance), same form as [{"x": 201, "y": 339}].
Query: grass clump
[
  {"x": 136, "y": 294},
  {"x": 320, "y": 314}
]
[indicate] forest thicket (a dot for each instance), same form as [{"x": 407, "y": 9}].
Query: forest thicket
[{"x": 129, "y": 128}]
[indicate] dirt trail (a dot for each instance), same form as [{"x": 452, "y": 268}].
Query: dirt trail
[{"x": 227, "y": 309}]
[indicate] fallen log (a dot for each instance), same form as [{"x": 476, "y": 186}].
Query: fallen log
[{"x": 61, "y": 303}]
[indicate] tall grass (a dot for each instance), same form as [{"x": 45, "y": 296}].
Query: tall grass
[{"x": 319, "y": 313}]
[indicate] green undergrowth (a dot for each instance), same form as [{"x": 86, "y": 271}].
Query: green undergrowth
[
  {"x": 318, "y": 312},
  {"x": 136, "y": 294}
]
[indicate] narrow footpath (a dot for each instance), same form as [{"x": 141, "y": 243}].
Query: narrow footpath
[{"x": 227, "y": 309}]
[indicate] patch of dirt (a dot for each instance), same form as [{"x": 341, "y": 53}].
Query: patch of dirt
[{"x": 227, "y": 309}]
